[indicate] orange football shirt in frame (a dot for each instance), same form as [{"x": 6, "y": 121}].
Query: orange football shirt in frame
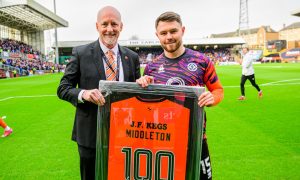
[{"x": 148, "y": 139}]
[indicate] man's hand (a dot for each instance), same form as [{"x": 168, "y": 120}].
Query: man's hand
[
  {"x": 240, "y": 61},
  {"x": 144, "y": 81},
  {"x": 93, "y": 96},
  {"x": 206, "y": 99}
]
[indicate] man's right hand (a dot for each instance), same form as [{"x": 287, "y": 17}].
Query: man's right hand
[
  {"x": 144, "y": 81},
  {"x": 93, "y": 96}
]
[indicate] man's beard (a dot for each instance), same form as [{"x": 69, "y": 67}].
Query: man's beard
[
  {"x": 172, "y": 48},
  {"x": 110, "y": 41},
  {"x": 110, "y": 38}
]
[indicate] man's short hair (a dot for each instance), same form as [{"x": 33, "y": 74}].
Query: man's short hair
[
  {"x": 168, "y": 17},
  {"x": 246, "y": 48}
]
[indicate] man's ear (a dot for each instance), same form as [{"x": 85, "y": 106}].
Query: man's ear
[
  {"x": 121, "y": 26},
  {"x": 97, "y": 26},
  {"x": 183, "y": 29}
]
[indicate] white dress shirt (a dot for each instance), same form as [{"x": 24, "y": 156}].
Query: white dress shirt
[{"x": 116, "y": 54}]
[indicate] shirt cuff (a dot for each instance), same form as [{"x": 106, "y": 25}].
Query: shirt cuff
[{"x": 80, "y": 100}]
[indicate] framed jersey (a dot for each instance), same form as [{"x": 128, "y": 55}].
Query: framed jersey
[{"x": 149, "y": 133}]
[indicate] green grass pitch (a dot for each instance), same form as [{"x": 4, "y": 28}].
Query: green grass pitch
[{"x": 253, "y": 139}]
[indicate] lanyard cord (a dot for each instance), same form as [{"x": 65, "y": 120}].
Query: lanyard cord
[{"x": 118, "y": 65}]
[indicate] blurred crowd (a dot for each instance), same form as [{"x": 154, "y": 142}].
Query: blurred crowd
[
  {"x": 216, "y": 55},
  {"x": 23, "y": 57}
]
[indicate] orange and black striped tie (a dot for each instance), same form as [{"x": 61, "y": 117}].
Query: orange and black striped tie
[{"x": 111, "y": 66}]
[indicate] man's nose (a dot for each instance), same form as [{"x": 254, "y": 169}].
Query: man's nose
[
  {"x": 109, "y": 27},
  {"x": 169, "y": 36}
]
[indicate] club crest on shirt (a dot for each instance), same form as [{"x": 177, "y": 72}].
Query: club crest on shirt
[
  {"x": 192, "y": 67},
  {"x": 161, "y": 69}
]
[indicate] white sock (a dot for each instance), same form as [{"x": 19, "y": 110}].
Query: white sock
[{"x": 7, "y": 128}]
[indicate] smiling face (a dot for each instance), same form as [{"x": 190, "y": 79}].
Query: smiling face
[
  {"x": 170, "y": 35},
  {"x": 109, "y": 26}
]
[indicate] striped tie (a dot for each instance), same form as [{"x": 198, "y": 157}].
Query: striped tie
[{"x": 111, "y": 66}]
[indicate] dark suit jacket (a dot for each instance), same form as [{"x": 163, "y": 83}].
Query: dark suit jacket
[{"x": 84, "y": 71}]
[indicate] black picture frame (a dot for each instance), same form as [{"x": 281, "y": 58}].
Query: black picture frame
[{"x": 117, "y": 90}]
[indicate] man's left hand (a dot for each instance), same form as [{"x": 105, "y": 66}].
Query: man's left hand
[{"x": 206, "y": 99}]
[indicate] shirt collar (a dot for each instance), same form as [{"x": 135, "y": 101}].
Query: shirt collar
[{"x": 115, "y": 49}]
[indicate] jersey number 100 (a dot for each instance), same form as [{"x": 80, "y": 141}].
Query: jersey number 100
[{"x": 148, "y": 154}]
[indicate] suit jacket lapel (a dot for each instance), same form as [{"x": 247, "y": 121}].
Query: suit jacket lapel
[
  {"x": 125, "y": 63},
  {"x": 97, "y": 58}
]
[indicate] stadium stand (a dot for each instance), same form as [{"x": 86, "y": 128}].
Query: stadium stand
[
  {"x": 218, "y": 49},
  {"x": 22, "y": 39},
  {"x": 22, "y": 58}
]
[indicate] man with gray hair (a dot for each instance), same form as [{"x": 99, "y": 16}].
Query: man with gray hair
[{"x": 102, "y": 59}]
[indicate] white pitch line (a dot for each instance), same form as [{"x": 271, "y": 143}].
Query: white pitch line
[
  {"x": 267, "y": 84},
  {"x": 269, "y": 67},
  {"x": 13, "y": 97},
  {"x": 275, "y": 82},
  {"x": 284, "y": 84}
]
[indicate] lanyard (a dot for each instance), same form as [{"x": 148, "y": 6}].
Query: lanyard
[{"x": 118, "y": 65}]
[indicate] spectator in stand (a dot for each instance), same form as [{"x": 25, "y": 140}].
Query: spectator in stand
[{"x": 15, "y": 72}]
